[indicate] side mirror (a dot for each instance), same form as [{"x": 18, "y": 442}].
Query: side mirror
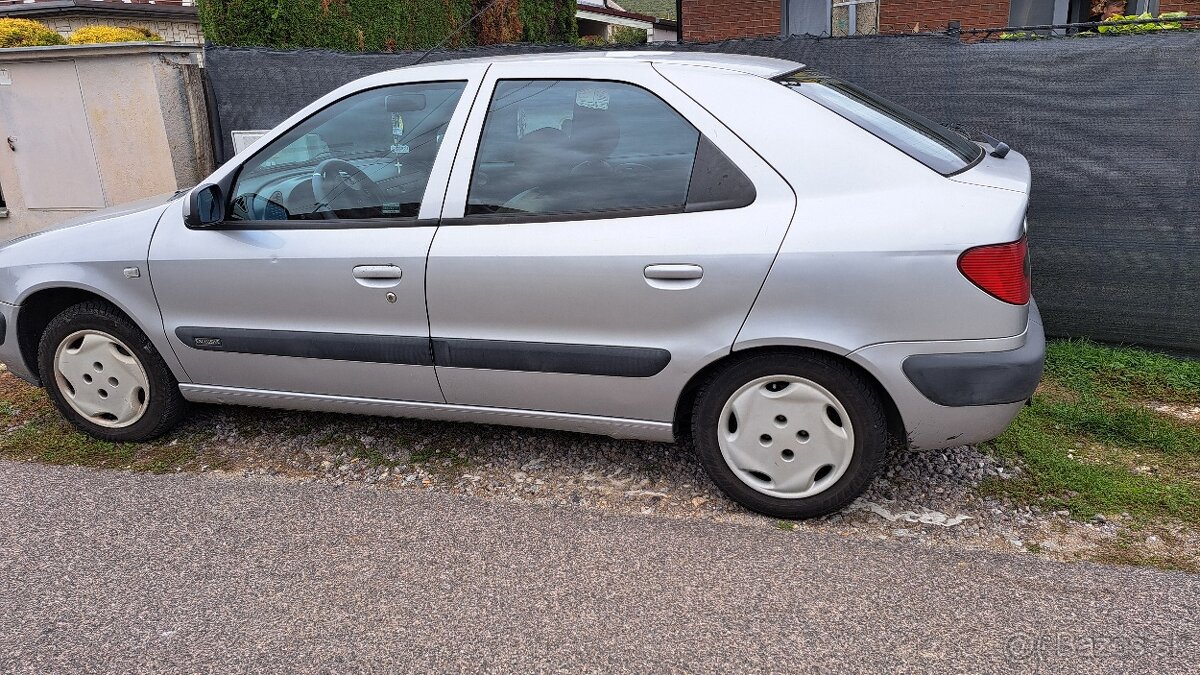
[{"x": 205, "y": 207}]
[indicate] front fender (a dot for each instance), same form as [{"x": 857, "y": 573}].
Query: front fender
[
  {"x": 105, "y": 257},
  {"x": 133, "y": 296}
]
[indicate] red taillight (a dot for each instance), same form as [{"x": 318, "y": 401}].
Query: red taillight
[{"x": 1002, "y": 270}]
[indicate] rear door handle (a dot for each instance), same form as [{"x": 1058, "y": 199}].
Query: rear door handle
[
  {"x": 377, "y": 276},
  {"x": 674, "y": 272}
]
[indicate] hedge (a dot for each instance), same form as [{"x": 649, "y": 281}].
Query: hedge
[
  {"x": 382, "y": 25},
  {"x": 90, "y": 35},
  {"x": 27, "y": 33}
]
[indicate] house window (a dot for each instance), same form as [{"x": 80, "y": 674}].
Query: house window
[
  {"x": 1141, "y": 7},
  {"x": 837, "y": 18},
  {"x": 1045, "y": 12},
  {"x": 807, "y": 17},
  {"x": 1037, "y": 12},
  {"x": 854, "y": 17}
]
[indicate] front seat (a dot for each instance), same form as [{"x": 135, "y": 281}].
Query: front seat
[{"x": 540, "y": 166}]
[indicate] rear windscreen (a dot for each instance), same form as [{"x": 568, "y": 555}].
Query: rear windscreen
[{"x": 924, "y": 140}]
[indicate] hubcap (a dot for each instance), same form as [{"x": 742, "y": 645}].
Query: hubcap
[
  {"x": 786, "y": 436},
  {"x": 101, "y": 379}
]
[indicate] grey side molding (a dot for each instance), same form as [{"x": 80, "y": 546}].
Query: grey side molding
[{"x": 980, "y": 378}]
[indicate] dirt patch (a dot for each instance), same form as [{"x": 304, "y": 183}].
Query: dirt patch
[{"x": 1180, "y": 411}]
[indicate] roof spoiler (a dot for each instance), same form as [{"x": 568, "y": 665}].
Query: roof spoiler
[{"x": 999, "y": 148}]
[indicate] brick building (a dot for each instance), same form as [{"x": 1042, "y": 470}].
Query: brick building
[{"x": 708, "y": 20}]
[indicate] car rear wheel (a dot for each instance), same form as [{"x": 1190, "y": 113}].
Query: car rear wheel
[
  {"x": 790, "y": 435},
  {"x": 106, "y": 377}
]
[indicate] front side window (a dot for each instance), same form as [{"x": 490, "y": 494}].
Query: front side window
[
  {"x": 580, "y": 146},
  {"x": 367, "y": 156},
  {"x": 922, "y": 139}
]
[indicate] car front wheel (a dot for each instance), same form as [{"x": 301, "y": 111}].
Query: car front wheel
[
  {"x": 106, "y": 377},
  {"x": 790, "y": 435}
]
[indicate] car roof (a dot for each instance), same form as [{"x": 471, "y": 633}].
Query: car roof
[{"x": 760, "y": 66}]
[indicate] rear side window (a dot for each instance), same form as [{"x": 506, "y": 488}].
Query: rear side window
[
  {"x": 924, "y": 140},
  {"x": 589, "y": 146}
]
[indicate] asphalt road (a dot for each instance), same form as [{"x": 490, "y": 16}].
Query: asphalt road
[{"x": 114, "y": 572}]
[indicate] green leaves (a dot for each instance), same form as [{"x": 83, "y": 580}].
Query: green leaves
[
  {"x": 370, "y": 25},
  {"x": 1112, "y": 26},
  {"x": 1096, "y": 439},
  {"x": 1125, "y": 29},
  {"x": 27, "y": 33}
]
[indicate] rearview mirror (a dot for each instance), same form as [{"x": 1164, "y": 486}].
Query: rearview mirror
[
  {"x": 402, "y": 103},
  {"x": 205, "y": 207}
]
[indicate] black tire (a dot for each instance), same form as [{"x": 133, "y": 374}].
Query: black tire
[
  {"x": 853, "y": 391},
  {"x": 165, "y": 406}
]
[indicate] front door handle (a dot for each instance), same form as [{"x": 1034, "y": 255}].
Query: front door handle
[
  {"x": 673, "y": 277},
  {"x": 378, "y": 276},
  {"x": 377, "y": 272},
  {"x": 674, "y": 272}
]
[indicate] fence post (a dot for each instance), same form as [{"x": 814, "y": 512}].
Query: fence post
[{"x": 679, "y": 22}]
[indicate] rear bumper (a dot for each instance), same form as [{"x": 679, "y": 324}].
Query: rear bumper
[
  {"x": 958, "y": 392},
  {"x": 980, "y": 378}
]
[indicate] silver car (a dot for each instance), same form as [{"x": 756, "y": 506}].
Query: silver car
[{"x": 788, "y": 271}]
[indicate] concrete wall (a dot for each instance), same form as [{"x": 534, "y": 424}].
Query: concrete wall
[
  {"x": 661, "y": 34},
  {"x": 95, "y": 126}
]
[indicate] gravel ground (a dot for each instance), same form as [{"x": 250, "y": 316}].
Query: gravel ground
[{"x": 927, "y": 498}]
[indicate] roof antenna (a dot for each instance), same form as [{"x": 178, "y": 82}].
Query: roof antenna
[{"x": 455, "y": 32}]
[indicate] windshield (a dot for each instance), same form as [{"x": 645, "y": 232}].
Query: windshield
[{"x": 924, "y": 140}]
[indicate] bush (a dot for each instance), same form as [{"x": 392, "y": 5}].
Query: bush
[
  {"x": 1143, "y": 27},
  {"x": 627, "y": 35},
  {"x": 382, "y": 25},
  {"x": 548, "y": 20},
  {"x": 91, "y": 35},
  {"x": 26, "y": 33},
  {"x": 1167, "y": 21},
  {"x": 150, "y": 35}
]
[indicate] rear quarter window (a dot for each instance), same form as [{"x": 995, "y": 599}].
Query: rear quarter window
[{"x": 924, "y": 140}]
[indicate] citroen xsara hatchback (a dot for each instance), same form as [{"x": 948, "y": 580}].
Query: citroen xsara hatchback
[{"x": 778, "y": 266}]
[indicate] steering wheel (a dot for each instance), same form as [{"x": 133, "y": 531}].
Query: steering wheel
[
  {"x": 634, "y": 168},
  {"x": 592, "y": 168},
  {"x": 334, "y": 178}
]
